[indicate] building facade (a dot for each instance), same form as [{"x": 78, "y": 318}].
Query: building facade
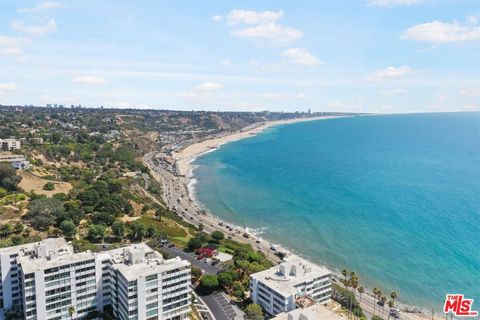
[
  {"x": 47, "y": 280},
  {"x": 278, "y": 289},
  {"x": 10, "y": 144},
  {"x": 19, "y": 162}
]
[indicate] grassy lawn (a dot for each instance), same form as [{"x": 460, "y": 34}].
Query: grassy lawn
[
  {"x": 225, "y": 250},
  {"x": 171, "y": 228}
]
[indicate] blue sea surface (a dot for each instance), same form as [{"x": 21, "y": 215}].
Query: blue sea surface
[{"x": 395, "y": 198}]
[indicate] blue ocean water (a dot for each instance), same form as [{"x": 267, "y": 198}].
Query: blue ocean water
[{"x": 395, "y": 198}]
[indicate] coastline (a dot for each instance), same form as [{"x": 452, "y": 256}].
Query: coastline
[
  {"x": 186, "y": 156},
  {"x": 184, "y": 159}
]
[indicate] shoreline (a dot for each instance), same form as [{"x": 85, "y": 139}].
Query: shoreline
[
  {"x": 187, "y": 155},
  {"x": 184, "y": 159}
]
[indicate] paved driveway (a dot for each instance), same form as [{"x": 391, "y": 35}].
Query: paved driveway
[{"x": 208, "y": 268}]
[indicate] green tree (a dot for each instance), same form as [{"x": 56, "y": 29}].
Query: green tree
[
  {"x": 151, "y": 231},
  {"x": 254, "y": 312},
  {"x": 43, "y": 212},
  {"x": 377, "y": 318},
  {"x": 18, "y": 227},
  {"x": 209, "y": 282},
  {"x": 196, "y": 273},
  {"x": 394, "y": 295},
  {"x": 17, "y": 240},
  {"x": 71, "y": 311},
  {"x": 225, "y": 279},
  {"x": 118, "y": 229},
  {"x": 194, "y": 243},
  {"x": 68, "y": 228},
  {"x": 217, "y": 235},
  {"x": 9, "y": 179},
  {"x": 6, "y": 229},
  {"x": 361, "y": 290},
  {"x": 375, "y": 293},
  {"x": 137, "y": 230},
  {"x": 96, "y": 232}
]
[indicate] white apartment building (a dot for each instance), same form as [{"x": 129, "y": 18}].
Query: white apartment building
[
  {"x": 10, "y": 144},
  {"x": 277, "y": 289},
  {"x": 47, "y": 280},
  {"x": 19, "y": 162}
]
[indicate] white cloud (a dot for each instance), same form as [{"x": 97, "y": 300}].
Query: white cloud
[
  {"x": 301, "y": 57},
  {"x": 9, "y": 86},
  {"x": 34, "y": 30},
  {"x": 46, "y": 5},
  {"x": 7, "y": 41},
  {"x": 87, "y": 79},
  {"x": 393, "y": 92},
  {"x": 387, "y": 3},
  {"x": 471, "y": 93},
  {"x": 11, "y": 51},
  {"x": 390, "y": 73},
  {"x": 273, "y": 32},
  {"x": 208, "y": 86},
  {"x": 253, "y": 17},
  {"x": 281, "y": 95},
  {"x": 472, "y": 19},
  {"x": 443, "y": 32},
  {"x": 217, "y": 18}
]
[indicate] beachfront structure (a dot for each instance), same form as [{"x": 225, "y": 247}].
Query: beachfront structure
[
  {"x": 10, "y": 144},
  {"x": 278, "y": 288},
  {"x": 19, "y": 162},
  {"x": 314, "y": 312},
  {"x": 47, "y": 280}
]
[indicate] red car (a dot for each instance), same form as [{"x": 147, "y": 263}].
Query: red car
[{"x": 200, "y": 257}]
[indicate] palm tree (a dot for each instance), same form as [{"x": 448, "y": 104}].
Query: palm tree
[
  {"x": 71, "y": 311},
  {"x": 344, "y": 273},
  {"x": 384, "y": 299},
  {"x": 394, "y": 296},
  {"x": 379, "y": 296},
  {"x": 375, "y": 291},
  {"x": 390, "y": 305},
  {"x": 354, "y": 285},
  {"x": 361, "y": 290}
]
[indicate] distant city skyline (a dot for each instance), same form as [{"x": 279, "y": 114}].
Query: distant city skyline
[{"x": 389, "y": 56}]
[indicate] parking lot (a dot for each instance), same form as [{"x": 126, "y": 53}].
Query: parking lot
[
  {"x": 192, "y": 258},
  {"x": 221, "y": 307}
]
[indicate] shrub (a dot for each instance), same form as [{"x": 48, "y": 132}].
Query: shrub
[{"x": 49, "y": 186}]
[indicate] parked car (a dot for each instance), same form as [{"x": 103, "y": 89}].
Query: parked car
[{"x": 200, "y": 257}]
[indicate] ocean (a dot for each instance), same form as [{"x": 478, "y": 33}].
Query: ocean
[{"x": 396, "y": 198}]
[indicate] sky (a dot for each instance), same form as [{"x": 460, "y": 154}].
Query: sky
[{"x": 388, "y": 56}]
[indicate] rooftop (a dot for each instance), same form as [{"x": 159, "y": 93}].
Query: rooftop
[
  {"x": 315, "y": 312},
  {"x": 131, "y": 261},
  {"x": 285, "y": 276}
]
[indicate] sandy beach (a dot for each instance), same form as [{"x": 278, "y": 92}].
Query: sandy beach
[{"x": 185, "y": 156}]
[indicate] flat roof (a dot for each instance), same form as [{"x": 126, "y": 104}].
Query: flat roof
[
  {"x": 32, "y": 264},
  {"x": 314, "y": 312},
  {"x": 50, "y": 243},
  {"x": 283, "y": 277},
  {"x": 149, "y": 266}
]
